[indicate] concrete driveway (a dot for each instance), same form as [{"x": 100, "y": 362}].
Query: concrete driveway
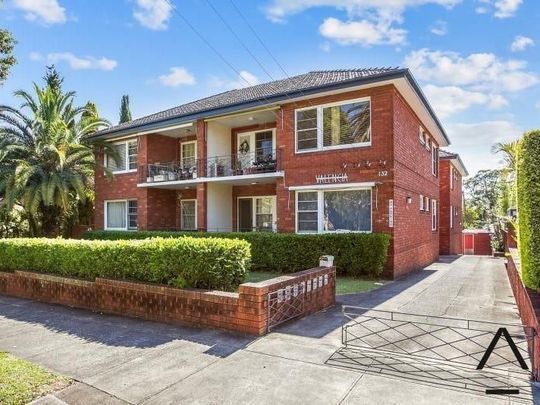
[{"x": 120, "y": 360}]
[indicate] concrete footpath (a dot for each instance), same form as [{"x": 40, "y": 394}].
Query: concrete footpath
[{"x": 116, "y": 360}]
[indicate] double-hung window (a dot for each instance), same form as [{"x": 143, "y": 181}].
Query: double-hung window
[
  {"x": 188, "y": 152},
  {"x": 421, "y": 202},
  {"x": 333, "y": 126},
  {"x": 451, "y": 216},
  {"x": 121, "y": 215},
  {"x": 433, "y": 215},
  {"x": 321, "y": 211},
  {"x": 435, "y": 161},
  {"x": 127, "y": 153},
  {"x": 188, "y": 215}
]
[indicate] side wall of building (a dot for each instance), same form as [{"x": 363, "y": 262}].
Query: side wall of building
[{"x": 451, "y": 219}]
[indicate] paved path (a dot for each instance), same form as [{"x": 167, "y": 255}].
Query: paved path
[{"x": 118, "y": 360}]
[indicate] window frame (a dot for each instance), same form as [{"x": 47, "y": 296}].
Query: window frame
[
  {"x": 182, "y": 144},
  {"x": 320, "y": 127},
  {"x": 320, "y": 209},
  {"x": 422, "y": 203},
  {"x": 126, "y": 168},
  {"x": 126, "y": 202},
  {"x": 253, "y": 199},
  {"x": 451, "y": 217},
  {"x": 422, "y": 136},
  {"x": 434, "y": 224},
  {"x": 434, "y": 160},
  {"x": 182, "y": 201}
]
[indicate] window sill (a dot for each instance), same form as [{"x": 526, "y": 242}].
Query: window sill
[
  {"x": 334, "y": 148},
  {"x": 124, "y": 171}
]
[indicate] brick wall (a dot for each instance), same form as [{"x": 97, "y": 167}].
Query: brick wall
[
  {"x": 528, "y": 302},
  {"x": 415, "y": 244},
  {"x": 450, "y": 238},
  {"x": 245, "y": 311}
]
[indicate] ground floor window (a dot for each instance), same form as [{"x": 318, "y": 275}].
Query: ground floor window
[
  {"x": 256, "y": 213},
  {"x": 333, "y": 211},
  {"x": 121, "y": 215},
  {"x": 433, "y": 215},
  {"x": 188, "y": 215}
]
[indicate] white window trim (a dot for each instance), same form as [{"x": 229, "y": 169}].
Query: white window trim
[
  {"x": 126, "y": 145},
  {"x": 451, "y": 177},
  {"x": 320, "y": 213},
  {"x": 320, "y": 125},
  {"x": 422, "y": 136},
  {"x": 421, "y": 202},
  {"x": 253, "y": 199},
  {"x": 182, "y": 144},
  {"x": 434, "y": 161},
  {"x": 427, "y": 204},
  {"x": 451, "y": 217},
  {"x": 252, "y": 137},
  {"x": 105, "y": 227},
  {"x": 182, "y": 217},
  {"x": 434, "y": 215}
]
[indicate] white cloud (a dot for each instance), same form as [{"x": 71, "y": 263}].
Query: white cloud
[
  {"x": 473, "y": 140},
  {"x": 449, "y": 100},
  {"x": 368, "y": 22},
  {"x": 500, "y": 8},
  {"x": 177, "y": 76},
  {"x": 75, "y": 62},
  {"x": 521, "y": 43},
  {"x": 362, "y": 32},
  {"x": 479, "y": 71},
  {"x": 439, "y": 28},
  {"x": 153, "y": 14},
  {"x": 244, "y": 79},
  {"x": 506, "y": 8},
  {"x": 44, "y": 11}
]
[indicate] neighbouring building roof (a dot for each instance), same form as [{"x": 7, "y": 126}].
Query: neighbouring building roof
[
  {"x": 444, "y": 154},
  {"x": 266, "y": 94}
]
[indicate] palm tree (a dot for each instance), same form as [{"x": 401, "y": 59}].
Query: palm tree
[
  {"x": 509, "y": 152},
  {"x": 47, "y": 162}
]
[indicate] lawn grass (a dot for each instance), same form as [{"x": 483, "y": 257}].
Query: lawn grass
[
  {"x": 22, "y": 381},
  {"x": 344, "y": 285}
]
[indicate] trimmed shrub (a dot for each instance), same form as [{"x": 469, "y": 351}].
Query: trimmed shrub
[
  {"x": 528, "y": 197},
  {"x": 355, "y": 253},
  {"x": 181, "y": 262}
]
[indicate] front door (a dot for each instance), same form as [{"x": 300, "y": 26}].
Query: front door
[
  {"x": 245, "y": 215},
  {"x": 468, "y": 244}
]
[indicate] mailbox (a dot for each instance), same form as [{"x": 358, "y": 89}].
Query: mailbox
[{"x": 326, "y": 261}]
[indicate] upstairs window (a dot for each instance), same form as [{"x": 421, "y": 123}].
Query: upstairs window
[
  {"x": 188, "y": 154},
  {"x": 451, "y": 178},
  {"x": 421, "y": 202},
  {"x": 422, "y": 136},
  {"x": 435, "y": 160},
  {"x": 333, "y": 126},
  {"x": 433, "y": 215},
  {"x": 127, "y": 157},
  {"x": 451, "y": 217}
]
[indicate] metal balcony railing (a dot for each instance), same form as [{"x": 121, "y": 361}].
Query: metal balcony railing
[{"x": 240, "y": 164}]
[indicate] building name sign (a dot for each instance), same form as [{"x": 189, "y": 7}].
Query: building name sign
[{"x": 332, "y": 178}]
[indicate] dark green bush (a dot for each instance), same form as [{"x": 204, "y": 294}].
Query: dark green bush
[
  {"x": 355, "y": 253},
  {"x": 180, "y": 262},
  {"x": 528, "y": 197}
]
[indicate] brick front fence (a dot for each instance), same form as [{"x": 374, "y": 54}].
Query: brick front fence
[
  {"x": 245, "y": 311},
  {"x": 528, "y": 303}
]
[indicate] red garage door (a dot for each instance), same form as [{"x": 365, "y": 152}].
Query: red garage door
[{"x": 468, "y": 244}]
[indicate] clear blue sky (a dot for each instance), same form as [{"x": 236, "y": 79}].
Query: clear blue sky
[{"x": 478, "y": 61}]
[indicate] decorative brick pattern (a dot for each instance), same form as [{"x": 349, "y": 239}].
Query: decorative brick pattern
[{"x": 245, "y": 311}]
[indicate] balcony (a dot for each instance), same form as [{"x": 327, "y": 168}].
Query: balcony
[{"x": 250, "y": 165}]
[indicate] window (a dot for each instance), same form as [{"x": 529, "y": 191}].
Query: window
[
  {"x": 334, "y": 211},
  {"x": 264, "y": 142},
  {"x": 433, "y": 215},
  {"x": 421, "y": 202},
  {"x": 307, "y": 212},
  {"x": 435, "y": 161},
  {"x": 451, "y": 178},
  {"x": 188, "y": 215},
  {"x": 188, "y": 154},
  {"x": 428, "y": 142},
  {"x": 333, "y": 126},
  {"x": 256, "y": 213},
  {"x": 451, "y": 217},
  {"x": 422, "y": 136},
  {"x": 121, "y": 215},
  {"x": 127, "y": 157},
  {"x": 264, "y": 218},
  {"x": 426, "y": 204}
]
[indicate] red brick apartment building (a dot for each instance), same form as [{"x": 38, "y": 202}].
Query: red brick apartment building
[{"x": 326, "y": 151}]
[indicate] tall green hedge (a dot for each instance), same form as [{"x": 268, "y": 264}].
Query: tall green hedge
[
  {"x": 181, "y": 262},
  {"x": 355, "y": 253},
  {"x": 528, "y": 197}
]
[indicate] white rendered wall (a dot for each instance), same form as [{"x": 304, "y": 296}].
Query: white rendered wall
[
  {"x": 218, "y": 140},
  {"x": 219, "y": 207}
]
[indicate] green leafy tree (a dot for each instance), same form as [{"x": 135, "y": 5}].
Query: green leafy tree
[
  {"x": 125, "y": 113},
  {"x": 7, "y": 59},
  {"x": 47, "y": 162}
]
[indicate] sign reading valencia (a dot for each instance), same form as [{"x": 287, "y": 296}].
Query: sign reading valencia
[{"x": 332, "y": 178}]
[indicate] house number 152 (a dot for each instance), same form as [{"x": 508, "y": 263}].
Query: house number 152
[{"x": 383, "y": 173}]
